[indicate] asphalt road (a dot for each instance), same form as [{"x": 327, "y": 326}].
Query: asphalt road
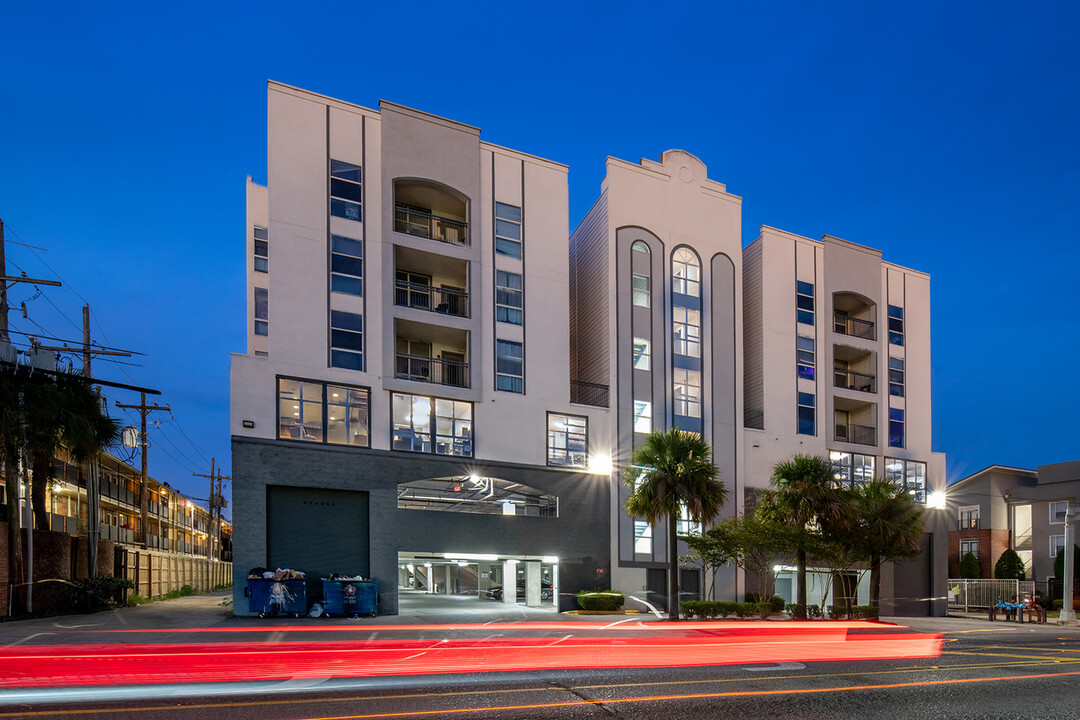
[{"x": 984, "y": 670}]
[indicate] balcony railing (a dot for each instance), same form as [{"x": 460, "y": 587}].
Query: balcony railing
[
  {"x": 858, "y": 434},
  {"x": 969, "y": 523},
  {"x": 856, "y": 327},
  {"x": 426, "y": 297},
  {"x": 423, "y": 223},
  {"x": 432, "y": 370},
  {"x": 851, "y": 380},
  {"x": 587, "y": 393}
]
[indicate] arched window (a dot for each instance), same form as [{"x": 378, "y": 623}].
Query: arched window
[
  {"x": 641, "y": 247},
  {"x": 686, "y": 271}
]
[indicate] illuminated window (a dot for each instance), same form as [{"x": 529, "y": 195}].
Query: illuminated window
[
  {"x": 414, "y": 417},
  {"x": 911, "y": 475},
  {"x": 686, "y": 273},
  {"x": 322, "y": 412},
  {"x": 642, "y": 353},
  {"x": 687, "y": 330},
  {"x": 642, "y": 538},
  {"x": 687, "y": 395},
  {"x": 642, "y": 417},
  {"x": 567, "y": 440}
]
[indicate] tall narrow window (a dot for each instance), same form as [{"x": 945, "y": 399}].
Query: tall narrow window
[
  {"x": 641, "y": 290},
  {"x": 345, "y": 190},
  {"x": 896, "y": 325},
  {"x": 896, "y": 376},
  {"x": 346, "y": 340},
  {"x": 642, "y": 538},
  {"x": 807, "y": 422},
  {"x": 262, "y": 311},
  {"x": 642, "y": 353},
  {"x": 262, "y": 250},
  {"x": 896, "y": 427},
  {"x": 508, "y": 230},
  {"x": 687, "y": 329},
  {"x": 687, "y": 394},
  {"x": 508, "y": 298},
  {"x": 346, "y": 265},
  {"x": 509, "y": 366},
  {"x": 686, "y": 273},
  {"x": 804, "y": 302},
  {"x": 804, "y": 352},
  {"x": 567, "y": 440},
  {"x": 642, "y": 417}
]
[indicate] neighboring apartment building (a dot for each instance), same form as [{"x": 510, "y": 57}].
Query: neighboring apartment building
[
  {"x": 1003, "y": 507},
  {"x": 441, "y": 392}
]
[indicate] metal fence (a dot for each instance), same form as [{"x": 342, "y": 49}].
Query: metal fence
[{"x": 984, "y": 594}]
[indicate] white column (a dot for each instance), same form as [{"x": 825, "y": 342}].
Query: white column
[
  {"x": 1067, "y": 614},
  {"x": 509, "y": 593},
  {"x": 532, "y": 583}
]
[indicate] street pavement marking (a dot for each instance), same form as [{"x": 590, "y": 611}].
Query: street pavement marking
[
  {"x": 608, "y": 686},
  {"x": 1048, "y": 658}
]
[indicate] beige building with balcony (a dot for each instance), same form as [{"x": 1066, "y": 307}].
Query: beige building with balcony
[{"x": 442, "y": 384}]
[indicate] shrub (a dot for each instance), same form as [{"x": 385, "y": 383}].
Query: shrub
[
  {"x": 764, "y": 609},
  {"x": 136, "y": 599},
  {"x": 103, "y": 591},
  {"x": 837, "y": 612},
  {"x": 752, "y": 597},
  {"x": 1009, "y": 566},
  {"x": 1059, "y": 562},
  {"x": 776, "y": 604},
  {"x": 813, "y": 612},
  {"x": 865, "y": 612},
  {"x": 744, "y": 610},
  {"x": 600, "y": 600},
  {"x": 727, "y": 607},
  {"x": 969, "y": 567},
  {"x": 1058, "y": 603}
]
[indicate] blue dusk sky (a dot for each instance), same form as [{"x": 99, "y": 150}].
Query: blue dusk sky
[{"x": 943, "y": 134}]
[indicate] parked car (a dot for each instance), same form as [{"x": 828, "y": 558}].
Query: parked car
[{"x": 495, "y": 592}]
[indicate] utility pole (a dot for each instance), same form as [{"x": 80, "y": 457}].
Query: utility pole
[
  {"x": 5, "y": 279},
  {"x": 1067, "y": 616},
  {"x": 143, "y": 409},
  {"x": 215, "y": 502}
]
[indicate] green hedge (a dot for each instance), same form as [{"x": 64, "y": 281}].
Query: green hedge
[
  {"x": 707, "y": 609},
  {"x": 600, "y": 600}
]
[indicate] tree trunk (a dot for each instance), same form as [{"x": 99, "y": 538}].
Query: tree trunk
[
  {"x": 800, "y": 592},
  {"x": 875, "y": 580},
  {"x": 15, "y": 554},
  {"x": 673, "y": 568},
  {"x": 40, "y": 468}
]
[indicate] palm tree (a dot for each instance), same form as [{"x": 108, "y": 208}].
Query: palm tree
[
  {"x": 807, "y": 498},
  {"x": 890, "y": 527},
  {"x": 62, "y": 412},
  {"x": 673, "y": 469}
]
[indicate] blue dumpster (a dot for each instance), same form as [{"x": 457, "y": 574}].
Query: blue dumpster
[
  {"x": 350, "y": 597},
  {"x": 277, "y": 597}
]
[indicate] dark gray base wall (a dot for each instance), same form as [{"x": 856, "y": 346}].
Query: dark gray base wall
[{"x": 298, "y": 504}]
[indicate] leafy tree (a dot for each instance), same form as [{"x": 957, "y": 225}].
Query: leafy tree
[
  {"x": 672, "y": 469},
  {"x": 1010, "y": 567},
  {"x": 969, "y": 567},
  {"x": 806, "y": 499},
  {"x": 1059, "y": 563},
  {"x": 889, "y": 528}
]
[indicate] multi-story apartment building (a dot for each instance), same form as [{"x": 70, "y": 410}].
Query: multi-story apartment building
[
  {"x": 441, "y": 390},
  {"x": 1004, "y": 507}
]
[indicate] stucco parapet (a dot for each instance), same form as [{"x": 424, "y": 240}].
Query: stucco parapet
[
  {"x": 770, "y": 230},
  {"x": 832, "y": 239},
  {"x": 302, "y": 94},
  {"x": 509, "y": 152},
  {"x": 905, "y": 270},
  {"x": 428, "y": 117},
  {"x": 657, "y": 171}
]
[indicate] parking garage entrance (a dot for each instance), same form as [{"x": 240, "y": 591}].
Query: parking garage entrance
[{"x": 489, "y": 578}]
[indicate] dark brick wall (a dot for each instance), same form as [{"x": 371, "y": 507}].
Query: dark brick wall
[{"x": 579, "y": 537}]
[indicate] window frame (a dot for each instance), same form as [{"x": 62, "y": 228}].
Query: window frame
[
  {"x": 897, "y": 376},
  {"x": 340, "y": 332},
  {"x": 641, "y": 293},
  {"x": 805, "y": 315},
  {"x": 642, "y": 415},
  {"x": 637, "y": 355},
  {"x": 897, "y": 428},
  {"x": 504, "y": 379},
  {"x": 687, "y": 344},
  {"x": 264, "y": 242},
  {"x": 1053, "y": 515},
  {"x": 506, "y": 310},
  {"x": 1052, "y": 538},
  {"x": 262, "y": 311},
  {"x": 466, "y": 442},
  {"x": 895, "y": 318},
  {"x": 686, "y": 260},
  {"x": 324, "y": 404},
  {"x": 553, "y": 449},
  {"x": 806, "y": 401},
  {"x": 805, "y": 359},
  {"x": 340, "y": 279},
  {"x": 505, "y": 244},
  {"x": 689, "y": 401},
  {"x": 346, "y": 184},
  {"x": 969, "y": 543}
]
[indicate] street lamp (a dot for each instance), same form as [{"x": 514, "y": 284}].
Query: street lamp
[{"x": 1067, "y": 614}]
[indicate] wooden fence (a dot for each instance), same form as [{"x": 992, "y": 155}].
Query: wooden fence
[{"x": 156, "y": 573}]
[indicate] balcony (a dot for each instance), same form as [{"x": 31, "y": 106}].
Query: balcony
[
  {"x": 587, "y": 393},
  {"x": 851, "y": 380},
  {"x": 430, "y": 281},
  {"x": 853, "y": 315},
  {"x": 425, "y": 297},
  {"x": 432, "y": 370},
  {"x": 431, "y": 353},
  {"x": 858, "y": 434},
  {"x": 420, "y": 222},
  {"x": 853, "y": 326}
]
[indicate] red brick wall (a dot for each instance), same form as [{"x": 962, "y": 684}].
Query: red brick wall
[{"x": 991, "y": 544}]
